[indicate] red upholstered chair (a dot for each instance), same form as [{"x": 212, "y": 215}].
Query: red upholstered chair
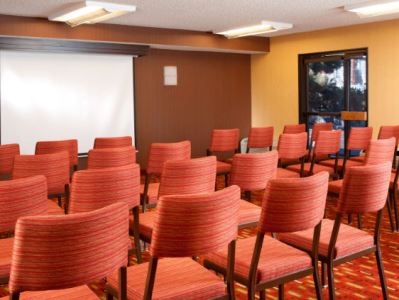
[
  {"x": 251, "y": 172},
  {"x": 113, "y": 142},
  {"x": 71, "y": 146},
  {"x": 7, "y": 154},
  {"x": 290, "y": 204},
  {"x": 57, "y": 256},
  {"x": 296, "y": 128},
  {"x": 97, "y": 188},
  {"x": 291, "y": 148},
  {"x": 387, "y": 132},
  {"x": 364, "y": 190},
  {"x": 186, "y": 226},
  {"x": 379, "y": 151},
  {"x": 111, "y": 157},
  {"x": 55, "y": 167},
  {"x": 359, "y": 139},
  {"x": 317, "y": 127},
  {"x": 224, "y": 141},
  {"x": 181, "y": 177},
  {"x": 160, "y": 153},
  {"x": 327, "y": 143},
  {"x": 261, "y": 137},
  {"x": 18, "y": 198}
]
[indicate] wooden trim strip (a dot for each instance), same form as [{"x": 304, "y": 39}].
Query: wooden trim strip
[{"x": 156, "y": 37}]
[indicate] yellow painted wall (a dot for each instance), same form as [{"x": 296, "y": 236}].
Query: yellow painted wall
[{"x": 275, "y": 75}]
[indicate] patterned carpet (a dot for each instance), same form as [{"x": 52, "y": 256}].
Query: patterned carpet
[{"x": 354, "y": 280}]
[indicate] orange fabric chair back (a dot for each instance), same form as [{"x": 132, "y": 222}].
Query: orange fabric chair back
[
  {"x": 193, "y": 225},
  {"x": 294, "y": 204},
  {"x": 111, "y": 157},
  {"x": 59, "y": 252},
  {"x": 162, "y": 152},
  {"x": 320, "y": 127},
  {"x": 54, "y": 166},
  {"x": 359, "y": 138},
  {"x": 327, "y": 142},
  {"x": 97, "y": 188},
  {"x": 260, "y": 137},
  {"x": 21, "y": 197},
  {"x": 71, "y": 146},
  {"x": 252, "y": 171},
  {"x": 192, "y": 176},
  {"x": 296, "y": 128},
  {"x": 380, "y": 151},
  {"x": 113, "y": 142},
  {"x": 7, "y": 155},
  {"x": 224, "y": 140},
  {"x": 365, "y": 188},
  {"x": 387, "y": 132},
  {"x": 292, "y": 145}
]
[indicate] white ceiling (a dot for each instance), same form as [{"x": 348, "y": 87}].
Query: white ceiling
[{"x": 213, "y": 15}]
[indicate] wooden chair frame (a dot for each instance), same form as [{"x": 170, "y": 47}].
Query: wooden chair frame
[
  {"x": 260, "y": 287},
  {"x": 151, "y": 274}
]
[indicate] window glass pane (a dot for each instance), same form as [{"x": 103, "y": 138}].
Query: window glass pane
[{"x": 326, "y": 86}]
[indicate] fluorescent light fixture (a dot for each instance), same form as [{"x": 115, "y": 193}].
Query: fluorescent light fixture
[
  {"x": 264, "y": 27},
  {"x": 90, "y": 12},
  {"x": 374, "y": 8}
]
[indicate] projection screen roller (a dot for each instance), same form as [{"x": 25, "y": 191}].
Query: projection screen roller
[{"x": 53, "y": 96}]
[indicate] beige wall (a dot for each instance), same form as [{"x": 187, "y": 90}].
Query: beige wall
[{"x": 275, "y": 75}]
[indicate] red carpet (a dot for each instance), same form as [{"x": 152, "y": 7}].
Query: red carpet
[{"x": 354, "y": 280}]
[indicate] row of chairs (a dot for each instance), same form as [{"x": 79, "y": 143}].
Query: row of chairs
[{"x": 92, "y": 242}]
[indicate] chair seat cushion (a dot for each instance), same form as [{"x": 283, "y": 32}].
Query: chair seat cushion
[
  {"x": 152, "y": 192},
  {"x": 349, "y": 163},
  {"x": 249, "y": 214},
  {"x": 146, "y": 221},
  {"x": 77, "y": 293},
  {"x": 335, "y": 186},
  {"x": 284, "y": 173},
  {"x": 350, "y": 239},
  {"x": 222, "y": 167},
  {"x": 53, "y": 208},
  {"x": 5, "y": 256},
  {"x": 276, "y": 260},
  {"x": 176, "y": 278},
  {"x": 361, "y": 158},
  {"x": 317, "y": 168}
]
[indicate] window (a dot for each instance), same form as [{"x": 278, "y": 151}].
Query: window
[{"x": 331, "y": 82}]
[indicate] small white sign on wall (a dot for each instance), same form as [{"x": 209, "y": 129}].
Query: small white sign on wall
[{"x": 170, "y": 75}]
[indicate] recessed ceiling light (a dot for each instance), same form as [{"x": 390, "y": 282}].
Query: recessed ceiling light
[
  {"x": 264, "y": 27},
  {"x": 374, "y": 8},
  {"x": 90, "y": 12}
]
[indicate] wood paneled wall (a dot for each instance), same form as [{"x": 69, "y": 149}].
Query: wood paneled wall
[{"x": 213, "y": 91}]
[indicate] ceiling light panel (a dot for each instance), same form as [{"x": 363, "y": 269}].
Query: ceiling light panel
[
  {"x": 90, "y": 12},
  {"x": 374, "y": 8},
  {"x": 262, "y": 28}
]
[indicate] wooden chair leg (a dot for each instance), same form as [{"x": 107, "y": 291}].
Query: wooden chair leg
[
  {"x": 359, "y": 221},
  {"x": 331, "y": 287},
  {"x": 323, "y": 274},
  {"x": 395, "y": 209},
  {"x": 137, "y": 245},
  {"x": 251, "y": 292},
  {"x": 349, "y": 219},
  {"x": 281, "y": 291},
  {"x": 226, "y": 180},
  {"x": 381, "y": 273},
  {"x": 317, "y": 284},
  {"x": 59, "y": 201},
  {"x": 108, "y": 296},
  {"x": 262, "y": 295},
  {"x": 390, "y": 212}
]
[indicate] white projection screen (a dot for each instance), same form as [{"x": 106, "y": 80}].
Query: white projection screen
[{"x": 57, "y": 96}]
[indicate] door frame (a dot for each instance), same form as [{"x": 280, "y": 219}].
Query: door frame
[{"x": 345, "y": 55}]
